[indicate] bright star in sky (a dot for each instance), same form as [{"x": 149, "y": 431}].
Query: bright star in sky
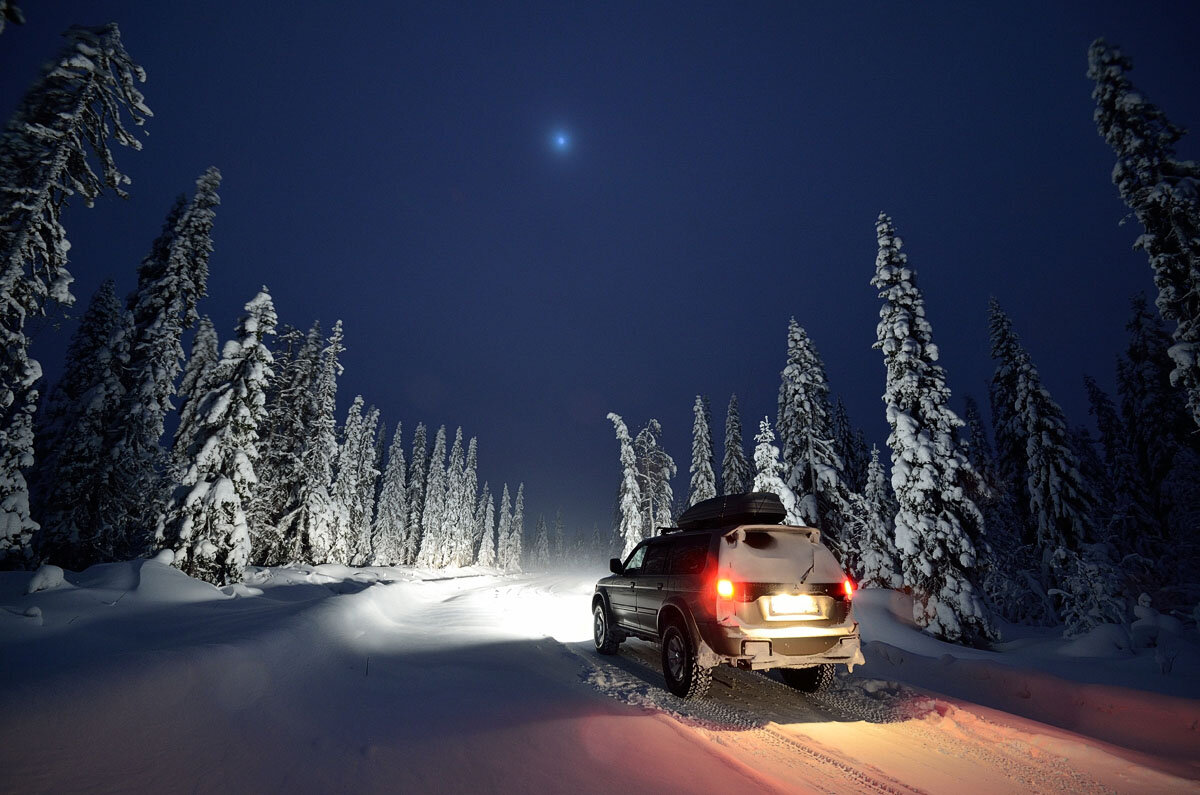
[{"x": 561, "y": 141}]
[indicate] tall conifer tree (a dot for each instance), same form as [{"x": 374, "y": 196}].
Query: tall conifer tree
[
  {"x": 735, "y": 472},
  {"x": 939, "y": 528},
  {"x": 704, "y": 482},
  {"x": 629, "y": 495}
]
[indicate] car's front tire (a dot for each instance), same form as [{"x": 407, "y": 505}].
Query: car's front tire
[
  {"x": 605, "y": 635},
  {"x": 685, "y": 676},
  {"x": 808, "y": 680}
]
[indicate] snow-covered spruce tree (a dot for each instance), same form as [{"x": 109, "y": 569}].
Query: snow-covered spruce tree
[
  {"x": 850, "y": 444},
  {"x": 559, "y": 551},
  {"x": 1162, "y": 439},
  {"x": 433, "y": 519},
  {"x": 455, "y": 523},
  {"x": 1132, "y": 527},
  {"x": 1012, "y": 584},
  {"x": 307, "y": 529},
  {"x": 735, "y": 472},
  {"x": 171, "y": 279},
  {"x": 504, "y": 531},
  {"x": 629, "y": 496},
  {"x": 417, "y": 472},
  {"x": 65, "y": 122},
  {"x": 366, "y": 475},
  {"x": 812, "y": 468},
  {"x": 873, "y": 527},
  {"x": 387, "y": 538},
  {"x": 655, "y": 468},
  {"x": 281, "y": 470},
  {"x": 467, "y": 538},
  {"x": 939, "y": 528},
  {"x": 1060, "y": 503},
  {"x": 1164, "y": 194},
  {"x": 68, "y": 490},
  {"x": 516, "y": 532},
  {"x": 344, "y": 490},
  {"x": 769, "y": 473},
  {"x": 1012, "y": 468},
  {"x": 205, "y": 523},
  {"x": 487, "y": 522},
  {"x": 704, "y": 482},
  {"x": 539, "y": 553},
  {"x": 197, "y": 376}
]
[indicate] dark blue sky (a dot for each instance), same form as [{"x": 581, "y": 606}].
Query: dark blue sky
[{"x": 393, "y": 165}]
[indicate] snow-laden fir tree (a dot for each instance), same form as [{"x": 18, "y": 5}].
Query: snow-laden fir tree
[
  {"x": 1009, "y": 430},
  {"x": 655, "y": 468},
  {"x": 283, "y": 480},
  {"x": 64, "y": 124},
  {"x": 433, "y": 519},
  {"x": 344, "y": 491},
  {"x": 850, "y": 444},
  {"x": 504, "y": 530},
  {"x": 197, "y": 380},
  {"x": 872, "y": 526},
  {"x": 1012, "y": 584},
  {"x": 1162, "y": 439},
  {"x": 812, "y": 468},
  {"x": 417, "y": 472},
  {"x": 487, "y": 523},
  {"x": 629, "y": 495},
  {"x": 205, "y": 523},
  {"x": 468, "y": 535},
  {"x": 559, "y": 551},
  {"x": 1132, "y": 526},
  {"x": 308, "y": 529},
  {"x": 735, "y": 472},
  {"x": 1164, "y": 194},
  {"x": 516, "y": 532},
  {"x": 171, "y": 279},
  {"x": 387, "y": 539},
  {"x": 939, "y": 528},
  {"x": 455, "y": 524},
  {"x": 704, "y": 481},
  {"x": 769, "y": 473},
  {"x": 539, "y": 553},
  {"x": 1061, "y": 504},
  {"x": 70, "y": 494}
]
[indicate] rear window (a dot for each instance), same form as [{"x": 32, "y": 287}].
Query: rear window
[
  {"x": 688, "y": 556},
  {"x": 760, "y": 555}
]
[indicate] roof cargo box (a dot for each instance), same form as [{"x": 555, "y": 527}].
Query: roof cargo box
[{"x": 756, "y": 507}]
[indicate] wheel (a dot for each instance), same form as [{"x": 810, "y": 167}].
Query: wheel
[
  {"x": 607, "y": 639},
  {"x": 685, "y": 677},
  {"x": 808, "y": 680}
]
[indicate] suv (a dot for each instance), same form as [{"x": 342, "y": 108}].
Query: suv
[{"x": 732, "y": 586}]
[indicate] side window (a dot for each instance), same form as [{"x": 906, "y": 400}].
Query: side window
[
  {"x": 634, "y": 563},
  {"x": 656, "y": 559},
  {"x": 689, "y": 556}
]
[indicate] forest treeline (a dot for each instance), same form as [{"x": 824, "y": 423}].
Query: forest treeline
[
  {"x": 258, "y": 470},
  {"x": 1034, "y": 520}
]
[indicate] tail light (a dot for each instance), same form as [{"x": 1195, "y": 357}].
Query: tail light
[
  {"x": 725, "y": 589},
  {"x": 847, "y": 588}
]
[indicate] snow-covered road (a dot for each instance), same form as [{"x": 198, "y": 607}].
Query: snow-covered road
[{"x": 137, "y": 679}]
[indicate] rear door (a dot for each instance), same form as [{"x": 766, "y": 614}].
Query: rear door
[
  {"x": 621, "y": 596},
  {"x": 686, "y": 567},
  {"x": 651, "y": 584}
]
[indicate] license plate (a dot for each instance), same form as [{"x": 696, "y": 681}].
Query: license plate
[{"x": 784, "y": 604}]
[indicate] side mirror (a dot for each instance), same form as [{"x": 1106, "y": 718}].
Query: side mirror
[{"x": 614, "y": 565}]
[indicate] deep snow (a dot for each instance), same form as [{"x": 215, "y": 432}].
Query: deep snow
[{"x": 133, "y": 677}]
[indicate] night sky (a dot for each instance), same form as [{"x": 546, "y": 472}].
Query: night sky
[{"x": 398, "y": 166}]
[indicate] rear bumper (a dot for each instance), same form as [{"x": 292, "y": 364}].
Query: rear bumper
[{"x": 758, "y": 649}]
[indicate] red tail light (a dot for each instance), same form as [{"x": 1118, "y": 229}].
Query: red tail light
[
  {"x": 847, "y": 587},
  {"x": 725, "y": 589}
]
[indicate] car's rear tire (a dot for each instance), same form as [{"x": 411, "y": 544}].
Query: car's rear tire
[
  {"x": 606, "y": 636},
  {"x": 808, "y": 680},
  {"x": 685, "y": 676}
]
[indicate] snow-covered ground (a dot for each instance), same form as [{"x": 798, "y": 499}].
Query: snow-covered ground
[{"x": 132, "y": 677}]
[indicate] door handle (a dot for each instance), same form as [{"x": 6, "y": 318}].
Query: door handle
[{"x": 660, "y": 586}]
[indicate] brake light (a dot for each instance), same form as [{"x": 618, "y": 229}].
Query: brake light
[
  {"x": 847, "y": 587},
  {"x": 725, "y": 589}
]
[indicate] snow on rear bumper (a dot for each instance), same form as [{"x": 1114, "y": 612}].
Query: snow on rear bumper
[{"x": 770, "y": 647}]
